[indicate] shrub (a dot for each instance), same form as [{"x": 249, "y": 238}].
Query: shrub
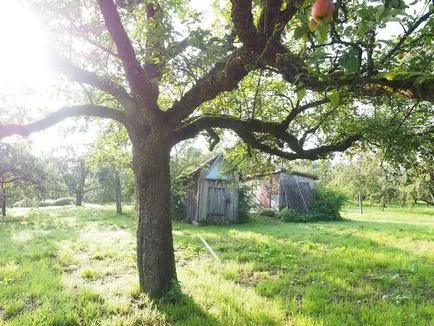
[
  {"x": 26, "y": 202},
  {"x": 289, "y": 215},
  {"x": 57, "y": 202},
  {"x": 327, "y": 205},
  {"x": 177, "y": 206},
  {"x": 268, "y": 212},
  {"x": 46, "y": 203},
  {"x": 63, "y": 201},
  {"x": 245, "y": 204}
]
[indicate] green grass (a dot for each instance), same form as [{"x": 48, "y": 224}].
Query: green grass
[{"x": 76, "y": 266}]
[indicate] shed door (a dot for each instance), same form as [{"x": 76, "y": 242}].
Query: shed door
[{"x": 216, "y": 210}]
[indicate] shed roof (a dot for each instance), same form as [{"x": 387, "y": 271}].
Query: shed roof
[
  {"x": 300, "y": 174},
  {"x": 213, "y": 170}
]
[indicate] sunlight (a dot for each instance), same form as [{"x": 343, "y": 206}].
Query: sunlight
[{"x": 23, "y": 61}]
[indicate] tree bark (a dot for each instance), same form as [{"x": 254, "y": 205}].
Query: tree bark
[
  {"x": 155, "y": 253},
  {"x": 4, "y": 207},
  {"x": 118, "y": 193},
  {"x": 3, "y": 200},
  {"x": 79, "y": 198}
]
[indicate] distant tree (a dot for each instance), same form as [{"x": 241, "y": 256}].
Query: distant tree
[
  {"x": 76, "y": 174},
  {"x": 110, "y": 157},
  {"x": 18, "y": 169}
]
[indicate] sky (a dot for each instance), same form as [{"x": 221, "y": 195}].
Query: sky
[{"x": 22, "y": 59}]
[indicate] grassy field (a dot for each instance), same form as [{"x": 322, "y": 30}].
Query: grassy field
[{"x": 76, "y": 266}]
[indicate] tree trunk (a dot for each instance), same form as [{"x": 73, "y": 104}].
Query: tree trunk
[
  {"x": 118, "y": 193},
  {"x": 361, "y": 203},
  {"x": 3, "y": 199},
  {"x": 78, "y": 198},
  {"x": 155, "y": 254},
  {"x": 4, "y": 207}
]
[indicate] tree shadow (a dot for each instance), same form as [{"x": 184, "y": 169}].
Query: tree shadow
[{"x": 183, "y": 310}]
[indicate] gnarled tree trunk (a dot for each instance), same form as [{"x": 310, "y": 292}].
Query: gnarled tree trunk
[{"x": 155, "y": 253}]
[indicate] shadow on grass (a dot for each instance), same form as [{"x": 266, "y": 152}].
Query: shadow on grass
[{"x": 183, "y": 310}]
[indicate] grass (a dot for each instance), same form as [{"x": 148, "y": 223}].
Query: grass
[{"x": 76, "y": 266}]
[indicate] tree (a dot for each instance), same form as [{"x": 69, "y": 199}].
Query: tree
[
  {"x": 76, "y": 174},
  {"x": 17, "y": 168},
  {"x": 110, "y": 155},
  {"x": 363, "y": 175},
  {"x": 167, "y": 86}
]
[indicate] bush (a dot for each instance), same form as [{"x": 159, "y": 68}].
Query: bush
[
  {"x": 289, "y": 215},
  {"x": 245, "y": 204},
  {"x": 326, "y": 207},
  {"x": 57, "y": 202},
  {"x": 26, "y": 202},
  {"x": 268, "y": 212},
  {"x": 46, "y": 203},
  {"x": 177, "y": 206},
  {"x": 64, "y": 201}
]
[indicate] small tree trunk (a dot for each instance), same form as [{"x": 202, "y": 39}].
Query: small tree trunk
[
  {"x": 361, "y": 202},
  {"x": 78, "y": 198},
  {"x": 118, "y": 193},
  {"x": 3, "y": 199},
  {"x": 155, "y": 253}
]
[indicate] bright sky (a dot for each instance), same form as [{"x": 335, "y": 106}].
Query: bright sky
[{"x": 22, "y": 59}]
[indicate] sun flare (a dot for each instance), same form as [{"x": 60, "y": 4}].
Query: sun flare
[{"x": 23, "y": 61}]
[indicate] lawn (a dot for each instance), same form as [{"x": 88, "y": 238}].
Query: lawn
[{"x": 76, "y": 266}]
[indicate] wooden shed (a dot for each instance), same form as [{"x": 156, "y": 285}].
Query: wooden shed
[
  {"x": 211, "y": 196},
  {"x": 283, "y": 189}
]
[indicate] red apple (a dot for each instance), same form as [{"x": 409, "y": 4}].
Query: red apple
[{"x": 322, "y": 11}]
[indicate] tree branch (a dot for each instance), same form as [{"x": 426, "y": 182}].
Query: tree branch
[
  {"x": 293, "y": 71},
  {"x": 55, "y": 117},
  {"x": 311, "y": 154},
  {"x": 66, "y": 67},
  {"x": 223, "y": 77},
  {"x": 135, "y": 74},
  {"x": 412, "y": 28},
  {"x": 247, "y": 128},
  {"x": 243, "y": 21}
]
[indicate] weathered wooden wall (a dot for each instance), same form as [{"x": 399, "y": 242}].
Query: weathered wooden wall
[
  {"x": 296, "y": 192},
  {"x": 212, "y": 200},
  {"x": 281, "y": 190}
]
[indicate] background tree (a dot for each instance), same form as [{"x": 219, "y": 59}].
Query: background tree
[
  {"x": 18, "y": 170},
  {"x": 110, "y": 157},
  {"x": 167, "y": 86},
  {"x": 76, "y": 174}
]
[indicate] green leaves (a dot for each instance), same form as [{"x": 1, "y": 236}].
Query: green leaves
[
  {"x": 349, "y": 61},
  {"x": 302, "y": 29},
  {"x": 334, "y": 98},
  {"x": 301, "y": 93},
  {"x": 321, "y": 33}
]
